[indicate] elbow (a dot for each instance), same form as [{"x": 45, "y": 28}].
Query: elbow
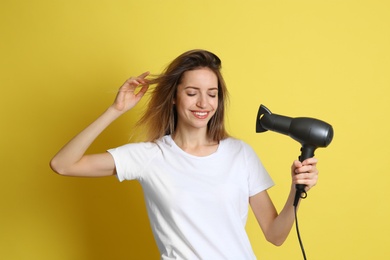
[
  {"x": 56, "y": 168},
  {"x": 276, "y": 241}
]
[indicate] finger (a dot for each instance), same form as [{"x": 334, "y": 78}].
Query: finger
[
  {"x": 306, "y": 178},
  {"x": 296, "y": 164},
  {"x": 140, "y": 80},
  {"x": 312, "y": 161},
  {"x": 144, "y": 75},
  {"x": 142, "y": 91},
  {"x": 304, "y": 168},
  {"x": 307, "y": 169},
  {"x": 132, "y": 82}
]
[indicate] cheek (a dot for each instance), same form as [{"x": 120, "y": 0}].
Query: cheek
[
  {"x": 215, "y": 103},
  {"x": 180, "y": 104},
  {"x": 180, "y": 101}
]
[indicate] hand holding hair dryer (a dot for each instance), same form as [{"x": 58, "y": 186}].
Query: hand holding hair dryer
[{"x": 311, "y": 133}]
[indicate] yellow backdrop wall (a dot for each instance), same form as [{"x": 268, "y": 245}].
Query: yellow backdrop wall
[{"x": 62, "y": 62}]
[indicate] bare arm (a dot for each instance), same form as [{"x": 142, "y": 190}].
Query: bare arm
[
  {"x": 276, "y": 227},
  {"x": 71, "y": 159}
]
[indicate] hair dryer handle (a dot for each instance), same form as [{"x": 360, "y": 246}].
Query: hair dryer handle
[{"x": 307, "y": 151}]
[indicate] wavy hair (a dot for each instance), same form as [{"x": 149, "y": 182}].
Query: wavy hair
[{"x": 160, "y": 116}]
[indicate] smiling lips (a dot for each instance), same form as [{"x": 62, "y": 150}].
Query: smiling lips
[{"x": 200, "y": 114}]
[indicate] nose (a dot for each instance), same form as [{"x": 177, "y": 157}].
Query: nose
[{"x": 201, "y": 103}]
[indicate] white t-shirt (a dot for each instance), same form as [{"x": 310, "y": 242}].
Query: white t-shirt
[{"x": 197, "y": 206}]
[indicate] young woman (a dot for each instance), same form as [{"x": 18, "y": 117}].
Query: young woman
[{"x": 198, "y": 181}]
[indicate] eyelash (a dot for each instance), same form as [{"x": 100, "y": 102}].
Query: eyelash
[{"x": 192, "y": 95}]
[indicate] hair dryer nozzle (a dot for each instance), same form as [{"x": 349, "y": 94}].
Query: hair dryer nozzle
[
  {"x": 262, "y": 111},
  {"x": 268, "y": 121}
]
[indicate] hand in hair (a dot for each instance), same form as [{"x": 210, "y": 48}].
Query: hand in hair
[{"x": 128, "y": 96}]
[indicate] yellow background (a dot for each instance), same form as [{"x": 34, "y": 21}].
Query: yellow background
[{"x": 62, "y": 62}]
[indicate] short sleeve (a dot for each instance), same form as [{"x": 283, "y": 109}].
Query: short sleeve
[
  {"x": 132, "y": 159},
  {"x": 258, "y": 179}
]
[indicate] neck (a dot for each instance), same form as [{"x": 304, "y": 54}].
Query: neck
[
  {"x": 195, "y": 143},
  {"x": 193, "y": 138}
]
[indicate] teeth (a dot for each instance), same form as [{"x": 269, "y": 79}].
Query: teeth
[{"x": 201, "y": 113}]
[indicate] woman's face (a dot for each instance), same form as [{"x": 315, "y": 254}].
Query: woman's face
[{"x": 196, "y": 98}]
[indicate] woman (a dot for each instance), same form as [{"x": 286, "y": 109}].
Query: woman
[{"x": 197, "y": 180}]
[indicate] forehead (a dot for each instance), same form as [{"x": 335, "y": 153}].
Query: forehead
[{"x": 202, "y": 77}]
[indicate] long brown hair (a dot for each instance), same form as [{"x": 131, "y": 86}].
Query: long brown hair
[{"x": 160, "y": 117}]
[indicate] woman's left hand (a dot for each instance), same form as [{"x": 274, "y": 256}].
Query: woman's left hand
[{"x": 305, "y": 172}]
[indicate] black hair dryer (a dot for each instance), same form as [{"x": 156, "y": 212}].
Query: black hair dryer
[{"x": 311, "y": 133}]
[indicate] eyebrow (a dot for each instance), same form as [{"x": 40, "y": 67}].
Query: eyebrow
[{"x": 192, "y": 87}]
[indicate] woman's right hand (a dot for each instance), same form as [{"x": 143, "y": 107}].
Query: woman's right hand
[{"x": 128, "y": 96}]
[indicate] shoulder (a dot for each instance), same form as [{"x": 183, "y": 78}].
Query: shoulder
[
  {"x": 237, "y": 148},
  {"x": 232, "y": 142},
  {"x": 135, "y": 150},
  {"x": 138, "y": 145}
]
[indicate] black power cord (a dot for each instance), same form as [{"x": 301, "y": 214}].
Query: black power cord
[{"x": 298, "y": 234}]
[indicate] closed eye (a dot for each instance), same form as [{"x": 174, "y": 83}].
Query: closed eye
[{"x": 213, "y": 94}]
